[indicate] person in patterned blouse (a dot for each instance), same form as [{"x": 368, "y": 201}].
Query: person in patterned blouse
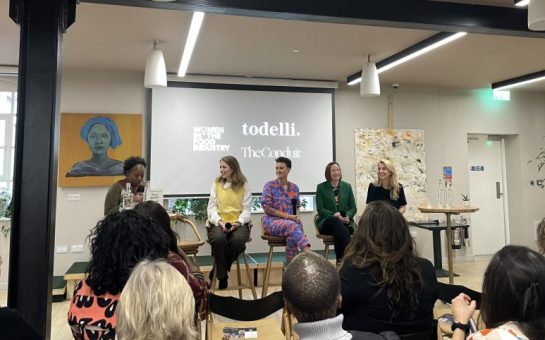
[
  {"x": 118, "y": 243},
  {"x": 280, "y": 201},
  {"x": 513, "y": 302}
]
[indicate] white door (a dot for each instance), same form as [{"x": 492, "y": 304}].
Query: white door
[{"x": 486, "y": 193}]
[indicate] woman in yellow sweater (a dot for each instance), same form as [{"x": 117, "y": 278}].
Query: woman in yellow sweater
[{"x": 228, "y": 215}]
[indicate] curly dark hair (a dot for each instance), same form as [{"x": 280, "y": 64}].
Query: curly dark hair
[
  {"x": 383, "y": 244},
  {"x": 284, "y": 160},
  {"x": 133, "y": 161},
  {"x": 118, "y": 243},
  {"x": 156, "y": 211}
]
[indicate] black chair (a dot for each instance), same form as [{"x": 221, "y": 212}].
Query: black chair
[
  {"x": 247, "y": 310},
  {"x": 448, "y": 292},
  {"x": 429, "y": 334}
]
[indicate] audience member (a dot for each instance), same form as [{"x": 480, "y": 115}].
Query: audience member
[
  {"x": 384, "y": 285},
  {"x": 156, "y": 303},
  {"x": 312, "y": 293},
  {"x": 513, "y": 301},
  {"x": 176, "y": 256},
  {"x": 541, "y": 236},
  {"x": 13, "y": 326},
  {"x": 118, "y": 243}
]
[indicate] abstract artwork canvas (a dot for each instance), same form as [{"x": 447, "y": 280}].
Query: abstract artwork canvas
[
  {"x": 405, "y": 147},
  {"x": 93, "y": 147}
]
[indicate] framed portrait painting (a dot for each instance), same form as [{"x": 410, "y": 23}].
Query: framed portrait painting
[{"x": 93, "y": 147}]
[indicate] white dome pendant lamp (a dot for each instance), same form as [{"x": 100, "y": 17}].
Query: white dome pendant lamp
[
  {"x": 156, "y": 72},
  {"x": 370, "y": 85}
]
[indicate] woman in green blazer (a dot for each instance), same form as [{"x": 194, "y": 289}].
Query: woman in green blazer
[{"x": 336, "y": 208}]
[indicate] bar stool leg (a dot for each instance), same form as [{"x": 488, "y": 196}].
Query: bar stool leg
[
  {"x": 239, "y": 278},
  {"x": 214, "y": 278},
  {"x": 267, "y": 273},
  {"x": 196, "y": 261},
  {"x": 326, "y": 251},
  {"x": 250, "y": 280}
]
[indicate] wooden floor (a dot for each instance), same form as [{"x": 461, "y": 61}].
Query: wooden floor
[{"x": 471, "y": 274}]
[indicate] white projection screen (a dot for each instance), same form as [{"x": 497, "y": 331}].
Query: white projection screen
[{"x": 194, "y": 125}]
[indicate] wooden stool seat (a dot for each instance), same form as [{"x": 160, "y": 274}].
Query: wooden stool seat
[
  {"x": 190, "y": 247},
  {"x": 273, "y": 241},
  {"x": 327, "y": 239}
]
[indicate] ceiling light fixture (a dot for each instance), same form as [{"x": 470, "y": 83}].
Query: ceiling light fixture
[
  {"x": 156, "y": 72},
  {"x": 519, "y": 81},
  {"x": 521, "y": 3},
  {"x": 426, "y": 45},
  {"x": 194, "y": 28},
  {"x": 370, "y": 84},
  {"x": 536, "y": 15}
]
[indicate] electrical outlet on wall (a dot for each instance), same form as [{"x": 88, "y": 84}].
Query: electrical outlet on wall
[
  {"x": 61, "y": 249},
  {"x": 76, "y": 248},
  {"x": 73, "y": 197}
]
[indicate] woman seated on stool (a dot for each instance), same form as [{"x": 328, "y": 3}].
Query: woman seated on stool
[
  {"x": 228, "y": 214},
  {"x": 336, "y": 208},
  {"x": 387, "y": 187},
  {"x": 513, "y": 301},
  {"x": 176, "y": 256},
  {"x": 118, "y": 243},
  {"x": 384, "y": 285},
  {"x": 280, "y": 201}
]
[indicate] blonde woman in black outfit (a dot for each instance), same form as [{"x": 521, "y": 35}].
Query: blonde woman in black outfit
[
  {"x": 384, "y": 285},
  {"x": 387, "y": 187}
]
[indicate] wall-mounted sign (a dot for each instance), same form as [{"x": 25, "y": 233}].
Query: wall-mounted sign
[
  {"x": 476, "y": 168},
  {"x": 447, "y": 174}
]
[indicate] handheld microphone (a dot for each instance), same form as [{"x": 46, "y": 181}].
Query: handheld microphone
[
  {"x": 228, "y": 226},
  {"x": 294, "y": 205},
  {"x": 343, "y": 213}
]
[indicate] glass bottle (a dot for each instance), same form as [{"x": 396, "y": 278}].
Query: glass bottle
[{"x": 127, "y": 202}]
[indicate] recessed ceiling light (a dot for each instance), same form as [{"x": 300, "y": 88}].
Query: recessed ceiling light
[
  {"x": 521, "y": 3},
  {"x": 295, "y": 50},
  {"x": 163, "y": 0}
]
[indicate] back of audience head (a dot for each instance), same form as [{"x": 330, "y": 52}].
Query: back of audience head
[
  {"x": 156, "y": 304},
  {"x": 382, "y": 242},
  {"x": 541, "y": 236},
  {"x": 514, "y": 290},
  {"x": 156, "y": 212},
  {"x": 118, "y": 243},
  {"x": 311, "y": 288}
]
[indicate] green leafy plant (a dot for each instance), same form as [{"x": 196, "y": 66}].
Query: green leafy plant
[
  {"x": 5, "y": 206},
  {"x": 465, "y": 197},
  {"x": 304, "y": 203},
  {"x": 256, "y": 204},
  {"x": 199, "y": 208}
]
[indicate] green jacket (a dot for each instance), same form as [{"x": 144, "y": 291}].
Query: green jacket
[{"x": 325, "y": 201}]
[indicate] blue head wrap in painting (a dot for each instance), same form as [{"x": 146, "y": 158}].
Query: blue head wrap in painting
[{"x": 110, "y": 126}]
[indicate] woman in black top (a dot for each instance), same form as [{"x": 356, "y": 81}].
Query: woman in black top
[
  {"x": 387, "y": 187},
  {"x": 384, "y": 285}
]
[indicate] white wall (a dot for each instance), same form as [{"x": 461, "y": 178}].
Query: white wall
[{"x": 446, "y": 116}]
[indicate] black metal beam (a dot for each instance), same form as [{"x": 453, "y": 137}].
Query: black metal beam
[
  {"x": 417, "y": 14},
  {"x": 35, "y": 176},
  {"x": 519, "y": 79}
]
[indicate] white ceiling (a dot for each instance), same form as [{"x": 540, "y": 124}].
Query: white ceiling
[{"x": 106, "y": 37}]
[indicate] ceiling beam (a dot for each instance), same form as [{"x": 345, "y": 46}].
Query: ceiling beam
[{"x": 416, "y": 14}]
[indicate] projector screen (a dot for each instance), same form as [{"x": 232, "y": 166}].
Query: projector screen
[{"x": 194, "y": 125}]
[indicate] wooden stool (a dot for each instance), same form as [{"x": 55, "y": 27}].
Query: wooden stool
[
  {"x": 327, "y": 239},
  {"x": 239, "y": 285},
  {"x": 190, "y": 247},
  {"x": 273, "y": 241}
]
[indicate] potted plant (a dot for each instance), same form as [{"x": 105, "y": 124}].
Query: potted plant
[{"x": 465, "y": 199}]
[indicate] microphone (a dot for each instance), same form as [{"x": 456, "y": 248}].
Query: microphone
[
  {"x": 343, "y": 213},
  {"x": 228, "y": 226},
  {"x": 294, "y": 205}
]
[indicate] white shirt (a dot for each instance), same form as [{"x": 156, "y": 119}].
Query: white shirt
[{"x": 212, "y": 208}]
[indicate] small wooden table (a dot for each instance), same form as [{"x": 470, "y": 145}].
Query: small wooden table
[
  {"x": 267, "y": 329},
  {"x": 448, "y": 211}
]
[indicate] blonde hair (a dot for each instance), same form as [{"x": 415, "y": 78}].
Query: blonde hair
[
  {"x": 541, "y": 236},
  {"x": 394, "y": 183},
  {"x": 156, "y": 303}
]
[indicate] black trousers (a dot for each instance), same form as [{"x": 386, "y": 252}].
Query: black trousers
[
  {"x": 226, "y": 247},
  {"x": 341, "y": 234}
]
